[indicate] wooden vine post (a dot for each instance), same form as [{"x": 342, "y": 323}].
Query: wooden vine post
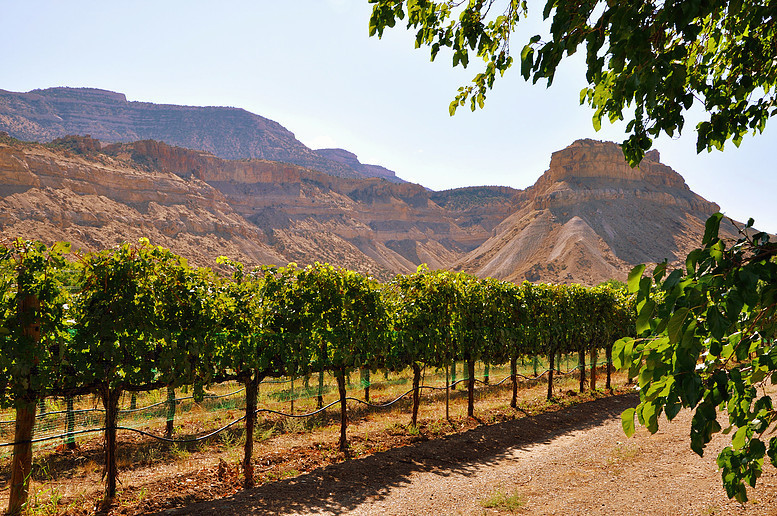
[
  {"x": 170, "y": 412},
  {"x": 514, "y": 377},
  {"x": 447, "y": 393},
  {"x": 251, "y": 386},
  {"x": 291, "y": 395},
  {"x": 581, "y": 368},
  {"x": 22, "y": 455},
  {"x": 320, "y": 397},
  {"x": 323, "y": 358},
  {"x": 21, "y": 466},
  {"x": 416, "y": 391},
  {"x": 471, "y": 387},
  {"x": 551, "y": 356},
  {"x": 343, "y": 444},
  {"x": 110, "y": 399}
]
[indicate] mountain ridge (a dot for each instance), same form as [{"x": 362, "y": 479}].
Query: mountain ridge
[
  {"x": 43, "y": 115},
  {"x": 587, "y": 219}
]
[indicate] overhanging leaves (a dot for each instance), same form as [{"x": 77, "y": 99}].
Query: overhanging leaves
[
  {"x": 708, "y": 343},
  {"x": 648, "y": 61}
]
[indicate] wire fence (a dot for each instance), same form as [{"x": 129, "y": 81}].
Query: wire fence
[{"x": 59, "y": 422}]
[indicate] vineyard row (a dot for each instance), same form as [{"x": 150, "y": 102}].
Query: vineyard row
[{"x": 138, "y": 317}]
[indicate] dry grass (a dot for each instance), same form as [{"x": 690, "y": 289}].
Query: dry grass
[{"x": 156, "y": 475}]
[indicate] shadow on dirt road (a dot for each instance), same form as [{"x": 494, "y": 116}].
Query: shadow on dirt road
[{"x": 343, "y": 486}]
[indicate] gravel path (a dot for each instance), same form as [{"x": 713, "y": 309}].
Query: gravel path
[{"x": 574, "y": 461}]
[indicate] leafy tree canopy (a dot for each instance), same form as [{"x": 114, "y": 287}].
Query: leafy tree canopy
[{"x": 647, "y": 61}]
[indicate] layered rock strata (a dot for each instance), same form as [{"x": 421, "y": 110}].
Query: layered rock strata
[
  {"x": 591, "y": 217},
  {"x": 255, "y": 211}
]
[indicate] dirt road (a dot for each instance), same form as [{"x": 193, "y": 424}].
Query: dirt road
[{"x": 574, "y": 461}]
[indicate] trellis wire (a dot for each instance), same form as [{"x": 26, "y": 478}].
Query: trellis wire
[{"x": 71, "y": 434}]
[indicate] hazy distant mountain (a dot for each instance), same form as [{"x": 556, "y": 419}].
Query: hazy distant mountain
[
  {"x": 229, "y": 133},
  {"x": 349, "y": 158}
]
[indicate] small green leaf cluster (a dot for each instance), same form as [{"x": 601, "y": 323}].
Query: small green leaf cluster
[{"x": 708, "y": 343}]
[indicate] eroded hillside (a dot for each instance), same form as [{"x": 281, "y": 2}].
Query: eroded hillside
[
  {"x": 255, "y": 211},
  {"x": 591, "y": 217}
]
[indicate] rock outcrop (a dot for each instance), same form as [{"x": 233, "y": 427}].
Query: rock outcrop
[
  {"x": 591, "y": 217},
  {"x": 255, "y": 211},
  {"x": 226, "y": 132},
  {"x": 96, "y": 202}
]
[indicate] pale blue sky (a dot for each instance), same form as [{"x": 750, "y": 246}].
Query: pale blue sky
[{"x": 310, "y": 65}]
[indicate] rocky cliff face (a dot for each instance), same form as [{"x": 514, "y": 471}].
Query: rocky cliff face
[
  {"x": 256, "y": 211},
  {"x": 589, "y": 170},
  {"x": 591, "y": 217},
  {"x": 98, "y": 201},
  {"x": 368, "y": 225},
  {"x": 229, "y": 133}
]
